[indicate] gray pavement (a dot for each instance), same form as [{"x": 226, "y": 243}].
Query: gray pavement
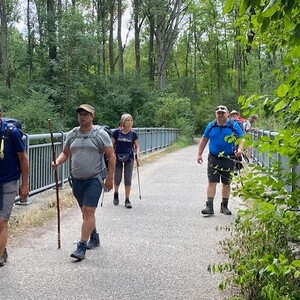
[{"x": 160, "y": 249}]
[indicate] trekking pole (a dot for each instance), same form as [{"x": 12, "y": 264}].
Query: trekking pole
[
  {"x": 138, "y": 176},
  {"x": 102, "y": 198},
  {"x": 56, "y": 184}
]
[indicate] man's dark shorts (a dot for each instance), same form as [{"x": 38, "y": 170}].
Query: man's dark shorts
[
  {"x": 87, "y": 192},
  {"x": 220, "y": 168}
]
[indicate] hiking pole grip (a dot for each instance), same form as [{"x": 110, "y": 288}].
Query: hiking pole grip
[{"x": 56, "y": 183}]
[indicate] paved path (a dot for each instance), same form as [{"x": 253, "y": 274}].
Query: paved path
[{"x": 160, "y": 249}]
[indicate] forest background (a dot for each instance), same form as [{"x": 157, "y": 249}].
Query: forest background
[{"x": 169, "y": 64}]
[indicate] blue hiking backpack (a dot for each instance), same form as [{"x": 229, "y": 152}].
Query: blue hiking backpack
[{"x": 11, "y": 124}]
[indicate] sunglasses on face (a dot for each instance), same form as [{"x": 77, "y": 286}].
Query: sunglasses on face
[
  {"x": 84, "y": 114},
  {"x": 221, "y": 107}
]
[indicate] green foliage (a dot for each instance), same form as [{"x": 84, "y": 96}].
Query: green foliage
[
  {"x": 261, "y": 261},
  {"x": 33, "y": 111},
  {"x": 175, "y": 112}
]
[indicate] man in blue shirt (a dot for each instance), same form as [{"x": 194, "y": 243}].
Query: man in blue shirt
[
  {"x": 223, "y": 135},
  {"x": 13, "y": 164}
]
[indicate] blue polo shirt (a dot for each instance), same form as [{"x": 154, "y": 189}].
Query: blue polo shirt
[
  {"x": 9, "y": 166},
  {"x": 219, "y": 137}
]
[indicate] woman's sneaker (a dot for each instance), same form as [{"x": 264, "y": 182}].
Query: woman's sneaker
[
  {"x": 116, "y": 199},
  {"x": 2, "y": 262},
  {"x": 3, "y": 258},
  {"x": 5, "y": 255},
  {"x": 128, "y": 204}
]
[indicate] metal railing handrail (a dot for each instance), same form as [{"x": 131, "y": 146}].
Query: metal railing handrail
[
  {"x": 39, "y": 150},
  {"x": 266, "y": 159}
]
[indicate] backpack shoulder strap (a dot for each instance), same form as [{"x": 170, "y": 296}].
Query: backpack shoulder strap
[
  {"x": 73, "y": 134},
  {"x": 96, "y": 141},
  {"x": 212, "y": 124}
]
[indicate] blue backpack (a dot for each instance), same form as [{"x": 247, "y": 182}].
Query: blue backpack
[{"x": 11, "y": 124}]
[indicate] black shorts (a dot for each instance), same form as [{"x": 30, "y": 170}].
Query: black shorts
[{"x": 220, "y": 168}]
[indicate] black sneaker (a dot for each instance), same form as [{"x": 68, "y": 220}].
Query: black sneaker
[
  {"x": 93, "y": 242},
  {"x": 79, "y": 253},
  {"x": 5, "y": 255},
  {"x": 128, "y": 204},
  {"x": 224, "y": 209},
  {"x": 2, "y": 262},
  {"x": 116, "y": 199},
  {"x": 209, "y": 209}
]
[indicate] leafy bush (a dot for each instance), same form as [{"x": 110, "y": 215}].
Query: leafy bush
[
  {"x": 261, "y": 261},
  {"x": 175, "y": 112}
]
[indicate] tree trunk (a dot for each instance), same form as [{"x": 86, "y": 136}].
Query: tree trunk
[
  {"x": 51, "y": 29},
  {"x": 111, "y": 38},
  {"x": 238, "y": 62},
  {"x": 104, "y": 37},
  {"x": 51, "y": 41},
  {"x": 4, "y": 50},
  {"x": 151, "y": 54},
  {"x": 29, "y": 40},
  {"x": 119, "y": 36},
  {"x": 137, "y": 42},
  {"x": 166, "y": 34}
]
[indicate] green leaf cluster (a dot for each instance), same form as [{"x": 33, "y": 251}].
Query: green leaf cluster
[{"x": 262, "y": 262}]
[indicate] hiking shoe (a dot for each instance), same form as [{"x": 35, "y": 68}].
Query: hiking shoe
[
  {"x": 2, "y": 261},
  {"x": 93, "y": 242},
  {"x": 224, "y": 209},
  {"x": 79, "y": 253},
  {"x": 209, "y": 209},
  {"x": 116, "y": 199},
  {"x": 5, "y": 255},
  {"x": 128, "y": 204}
]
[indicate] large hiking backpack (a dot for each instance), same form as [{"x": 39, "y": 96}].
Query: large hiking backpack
[
  {"x": 11, "y": 124},
  {"x": 93, "y": 137}
]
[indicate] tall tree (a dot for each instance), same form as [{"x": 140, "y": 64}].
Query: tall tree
[
  {"x": 30, "y": 39},
  {"x": 51, "y": 27},
  {"x": 166, "y": 31},
  {"x": 111, "y": 37},
  {"x": 119, "y": 37},
  {"x": 4, "y": 46},
  {"x": 138, "y": 19},
  {"x": 151, "y": 52}
]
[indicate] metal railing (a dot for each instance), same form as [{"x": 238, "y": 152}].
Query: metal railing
[
  {"x": 39, "y": 149},
  {"x": 266, "y": 158}
]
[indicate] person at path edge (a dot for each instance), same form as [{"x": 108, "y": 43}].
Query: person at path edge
[
  {"x": 14, "y": 165},
  {"x": 87, "y": 145},
  {"x": 221, "y": 134},
  {"x": 125, "y": 141},
  {"x": 248, "y": 125}
]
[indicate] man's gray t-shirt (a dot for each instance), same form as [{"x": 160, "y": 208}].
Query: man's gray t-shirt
[{"x": 87, "y": 152}]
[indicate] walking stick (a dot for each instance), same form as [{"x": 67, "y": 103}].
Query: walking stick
[
  {"x": 56, "y": 184},
  {"x": 138, "y": 176},
  {"x": 102, "y": 198}
]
